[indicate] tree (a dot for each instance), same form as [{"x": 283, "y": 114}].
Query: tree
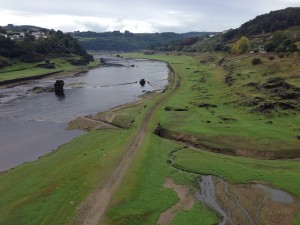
[
  {"x": 278, "y": 38},
  {"x": 2, "y": 31},
  {"x": 241, "y": 46},
  {"x": 244, "y": 45}
]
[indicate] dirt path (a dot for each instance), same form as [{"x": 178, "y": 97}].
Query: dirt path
[
  {"x": 92, "y": 211},
  {"x": 186, "y": 202}
]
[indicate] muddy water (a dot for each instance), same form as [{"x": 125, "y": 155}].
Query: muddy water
[
  {"x": 207, "y": 195},
  {"x": 32, "y": 124},
  {"x": 251, "y": 204}
]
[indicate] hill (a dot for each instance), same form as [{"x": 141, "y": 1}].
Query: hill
[
  {"x": 276, "y": 31},
  {"x": 20, "y": 28},
  {"x": 29, "y": 44},
  {"x": 267, "y": 23},
  {"x": 127, "y": 41}
]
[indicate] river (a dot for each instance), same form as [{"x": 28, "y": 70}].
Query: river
[{"x": 33, "y": 124}]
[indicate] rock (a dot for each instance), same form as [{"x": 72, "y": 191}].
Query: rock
[
  {"x": 229, "y": 80},
  {"x": 79, "y": 62},
  {"x": 38, "y": 89},
  {"x": 46, "y": 66},
  {"x": 285, "y": 105},
  {"x": 142, "y": 82},
  {"x": 59, "y": 87},
  {"x": 157, "y": 130},
  {"x": 266, "y": 107},
  {"x": 207, "y": 105}
]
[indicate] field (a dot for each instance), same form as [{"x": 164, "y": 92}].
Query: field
[
  {"x": 221, "y": 115},
  {"x": 24, "y": 70}
]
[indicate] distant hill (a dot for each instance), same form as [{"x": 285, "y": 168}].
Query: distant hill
[
  {"x": 31, "y": 44},
  {"x": 14, "y": 28},
  {"x": 283, "y": 24},
  {"x": 267, "y": 23},
  {"x": 127, "y": 41}
]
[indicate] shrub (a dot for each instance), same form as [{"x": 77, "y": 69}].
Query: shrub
[
  {"x": 256, "y": 61},
  {"x": 271, "y": 57},
  {"x": 281, "y": 55}
]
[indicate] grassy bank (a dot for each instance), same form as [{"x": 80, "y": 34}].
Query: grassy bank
[
  {"x": 51, "y": 188},
  {"x": 221, "y": 115},
  {"x": 142, "y": 198},
  {"x": 24, "y": 70}
]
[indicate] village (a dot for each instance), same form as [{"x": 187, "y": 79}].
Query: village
[{"x": 14, "y": 35}]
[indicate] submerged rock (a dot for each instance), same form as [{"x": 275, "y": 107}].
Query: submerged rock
[
  {"x": 59, "y": 87},
  {"x": 142, "y": 82}
]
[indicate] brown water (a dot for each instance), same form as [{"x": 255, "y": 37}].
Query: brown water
[{"x": 34, "y": 124}]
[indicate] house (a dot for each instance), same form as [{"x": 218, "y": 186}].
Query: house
[
  {"x": 22, "y": 35},
  {"x": 38, "y": 34},
  {"x": 3, "y": 35},
  {"x": 17, "y": 36}
]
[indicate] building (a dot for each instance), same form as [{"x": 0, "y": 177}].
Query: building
[
  {"x": 38, "y": 34},
  {"x": 3, "y": 35}
]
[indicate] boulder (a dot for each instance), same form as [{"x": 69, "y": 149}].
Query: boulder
[
  {"x": 142, "y": 82},
  {"x": 59, "y": 87}
]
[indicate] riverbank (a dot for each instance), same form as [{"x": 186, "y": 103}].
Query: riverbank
[
  {"x": 142, "y": 189},
  {"x": 20, "y": 72},
  {"x": 69, "y": 185},
  {"x": 33, "y": 107}
]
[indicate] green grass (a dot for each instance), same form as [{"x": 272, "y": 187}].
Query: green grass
[
  {"x": 196, "y": 216},
  {"x": 246, "y": 130},
  {"x": 51, "y": 188},
  {"x": 284, "y": 174},
  {"x": 22, "y": 70},
  {"x": 142, "y": 198}
]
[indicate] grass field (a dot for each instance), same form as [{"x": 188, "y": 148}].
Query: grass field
[
  {"x": 23, "y": 70},
  {"x": 218, "y": 114}
]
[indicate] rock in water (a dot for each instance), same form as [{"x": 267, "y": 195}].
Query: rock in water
[
  {"x": 59, "y": 87},
  {"x": 142, "y": 82}
]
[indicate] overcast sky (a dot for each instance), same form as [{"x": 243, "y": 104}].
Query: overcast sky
[{"x": 137, "y": 15}]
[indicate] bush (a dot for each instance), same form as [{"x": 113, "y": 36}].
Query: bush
[
  {"x": 256, "y": 61},
  {"x": 4, "y": 62},
  {"x": 281, "y": 55},
  {"x": 271, "y": 57}
]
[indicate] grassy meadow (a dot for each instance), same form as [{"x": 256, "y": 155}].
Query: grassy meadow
[{"x": 23, "y": 70}]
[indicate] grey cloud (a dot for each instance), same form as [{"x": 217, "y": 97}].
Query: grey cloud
[{"x": 161, "y": 15}]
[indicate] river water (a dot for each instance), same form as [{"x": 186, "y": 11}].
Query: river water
[{"x": 33, "y": 124}]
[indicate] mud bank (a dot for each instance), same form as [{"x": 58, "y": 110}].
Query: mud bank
[{"x": 251, "y": 204}]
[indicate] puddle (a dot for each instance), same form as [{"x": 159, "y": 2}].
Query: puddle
[{"x": 276, "y": 195}]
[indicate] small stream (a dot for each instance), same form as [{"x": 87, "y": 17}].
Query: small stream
[
  {"x": 33, "y": 124},
  {"x": 234, "y": 211},
  {"x": 207, "y": 195}
]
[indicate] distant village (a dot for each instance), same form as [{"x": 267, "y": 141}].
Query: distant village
[{"x": 19, "y": 36}]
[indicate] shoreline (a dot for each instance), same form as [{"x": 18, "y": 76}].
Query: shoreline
[
  {"x": 41, "y": 76},
  {"x": 140, "y": 99}
]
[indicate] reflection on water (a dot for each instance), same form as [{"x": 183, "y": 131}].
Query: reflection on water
[{"x": 37, "y": 121}]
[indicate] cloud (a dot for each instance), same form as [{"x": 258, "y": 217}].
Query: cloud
[{"x": 136, "y": 15}]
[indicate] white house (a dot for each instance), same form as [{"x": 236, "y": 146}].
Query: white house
[
  {"x": 4, "y": 35},
  {"x": 39, "y": 34}
]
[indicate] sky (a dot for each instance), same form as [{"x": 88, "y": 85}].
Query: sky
[{"x": 137, "y": 16}]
